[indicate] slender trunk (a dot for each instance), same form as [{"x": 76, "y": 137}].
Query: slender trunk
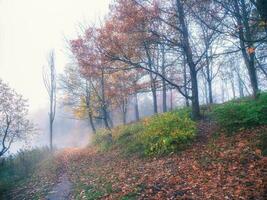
[
  {"x": 195, "y": 100},
  {"x": 124, "y": 116},
  {"x": 249, "y": 57},
  {"x": 171, "y": 100},
  {"x": 164, "y": 86},
  {"x": 241, "y": 89},
  {"x": 152, "y": 79},
  {"x": 154, "y": 94},
  {"x": 222, "y": 91},
  {"x": 51, "y": 119},
  {"x": 136, "y": 108},
  {"x": 185, "y": 84},
  {"x": 210, "y": 92},
  {"x": 240, "y": 86},
  {"x": 104, "y": 106},
  {"x": 209, "y": 81},
  {"x": 189, "y": 56},
  {"x": 91, "y": 121},
  {"x": 206, "y": 93},
  {"x": 233, "y": 88},
  {"x": 124, "y": 112},
  {"x": 51, "y": 133},
  {"x": 164, "y": 97},
  {"x": 88, "y": 106},
  {"x": 105, "y": 119},
  {"x": 110, "y": 119}
]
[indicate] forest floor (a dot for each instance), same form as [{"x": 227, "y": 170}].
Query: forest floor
[{"x": 216, "y": 166}]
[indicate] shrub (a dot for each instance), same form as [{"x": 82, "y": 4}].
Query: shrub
[
  {"x": 241, "y": 114},
  {"x": 127, "y": 138},
  {"x": 18, "y": 167},
  {"x": 103, "y": 139},
  {"x": 167, "y": 132},
  {"x": 159, "y": 134}
]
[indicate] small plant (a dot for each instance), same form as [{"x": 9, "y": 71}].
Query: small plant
[{"x": 167, "y": 132}]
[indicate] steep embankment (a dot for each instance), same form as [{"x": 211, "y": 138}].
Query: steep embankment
[{"x": 215, "y": 167}]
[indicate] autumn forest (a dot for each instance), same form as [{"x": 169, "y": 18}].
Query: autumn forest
[{"x": 174, "y": 96}]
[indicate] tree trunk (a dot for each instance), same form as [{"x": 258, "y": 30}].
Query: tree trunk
[
  {"x": 240, "y": 86},
  {"x": 206, "y": 93},
  {"x": 209, "y": 81},
  {"x": 164, "y": 86},
  {"x": 249, "y": 57},
  {"x": 88, "y": 106},
  {"x": 50, "y": 132},
  {"x": 195, "y": 100},
  {"x": 110, "y": 119},
  {"x": 222, "y": 91},
  {"x": 104, "y": 106},
  {"x": 171, "y": 100},
  {"x": 164, "y": 97},
  {"x": 136, "y": 108},
  {"x": 124, "y": 112},
  {"x": 105, "y": 118},
  {"x": 91, "y": 121},
  {"x": 154, "y": 94},
  {"x": 189, "y": 56},
  {"x": 124, "y": 116},
  {"x": 185, "y": 84}
]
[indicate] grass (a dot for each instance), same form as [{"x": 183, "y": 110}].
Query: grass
[
  {"x": 241, "y": 114},
  {"x": 157, "y": 135},
  {"x": 29, "y": 174},
  {"x": 15, "y": 169}
]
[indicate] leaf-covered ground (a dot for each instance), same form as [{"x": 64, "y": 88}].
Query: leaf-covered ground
[{"x": 215, "y": 167}]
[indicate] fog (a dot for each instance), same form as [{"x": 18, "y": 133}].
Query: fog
[{"x": 67, "y": 131}]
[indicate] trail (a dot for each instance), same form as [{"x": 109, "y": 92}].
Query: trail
[{"x": 61, "y": 190}]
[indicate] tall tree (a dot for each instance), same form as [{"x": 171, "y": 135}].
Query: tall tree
[{"x": 49, "y": 78}]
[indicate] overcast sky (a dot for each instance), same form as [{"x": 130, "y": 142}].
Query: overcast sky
[{"x": 29, "y": 29}]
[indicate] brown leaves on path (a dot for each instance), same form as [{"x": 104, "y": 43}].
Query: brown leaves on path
[
  {"x": 220, "y": 168},
  {"x": 214, "y": 167}
]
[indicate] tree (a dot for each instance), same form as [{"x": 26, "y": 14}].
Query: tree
[
  {"x": 93, "y": 68},
  {"x": 78, "y": 94},
  {"x": 14, "y": 125},
  {"x": 49, "y": 78}
]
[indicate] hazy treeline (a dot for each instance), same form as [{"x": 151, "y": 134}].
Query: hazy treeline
[{"x": 174, "y": 52}]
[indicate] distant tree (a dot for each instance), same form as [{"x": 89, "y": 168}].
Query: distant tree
[
  {"x": 78, "y": 94},
  {"x": 49, "y": 77},
  {"x": 14, "y": 125}
]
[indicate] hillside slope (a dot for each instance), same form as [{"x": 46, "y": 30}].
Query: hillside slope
[{"x": 215, "y": 167}]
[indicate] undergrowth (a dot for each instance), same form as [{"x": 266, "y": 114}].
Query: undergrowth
[
  {"x": 159, "y": 134},
  {"x": 241, "y": 114},
  {"x": 15, "y": 169}
]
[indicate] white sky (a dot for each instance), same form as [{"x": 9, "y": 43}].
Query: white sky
[{"x": 29, "y": 29}]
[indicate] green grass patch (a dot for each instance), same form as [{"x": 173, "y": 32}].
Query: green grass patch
[
  {"x": 159, "y": 134},
  {"x": 240, "y": 114}
]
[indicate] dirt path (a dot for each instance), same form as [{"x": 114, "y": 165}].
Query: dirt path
[{"x": 61, "y": 190}]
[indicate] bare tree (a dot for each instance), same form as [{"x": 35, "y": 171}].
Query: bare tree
[
  {"x": 14, "y": 126},
  {"x": 49, "y": 78}
]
